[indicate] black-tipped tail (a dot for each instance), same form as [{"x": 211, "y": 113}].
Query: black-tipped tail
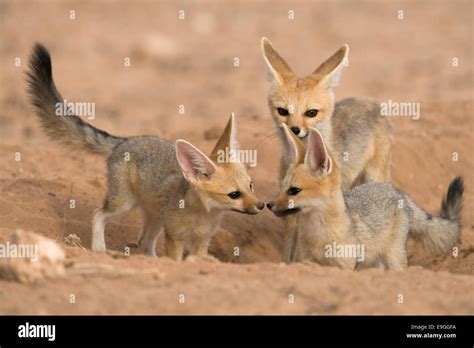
[
  {"x": 68, "y": 129},
  {"x": 440, "y": 234},
  {"x": 451, "y": 205},
  {"x": 40, "y": 66}
]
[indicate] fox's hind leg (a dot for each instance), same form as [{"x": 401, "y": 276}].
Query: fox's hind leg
[
  {"x": 113, "y": 207},
  {"x": 118, "y": 202},
  {"x": 396, "y": 258},
  {"x": 378, "y": 167},
  {"x": 150, "y": 233},
  {"x": 396, "y": 262}
]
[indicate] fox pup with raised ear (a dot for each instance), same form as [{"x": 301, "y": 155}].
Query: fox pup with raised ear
[
  {"x": 177, "y": 187},
  {"x": 358, "y": 136},
  {"x": 374, "y": 218}
]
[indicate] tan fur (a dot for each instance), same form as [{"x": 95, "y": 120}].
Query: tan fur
[
  {"x": 374, "y": 216},
  {"x": 356, "y": 134}
]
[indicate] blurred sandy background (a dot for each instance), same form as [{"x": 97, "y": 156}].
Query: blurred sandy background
[{"x": 190, "y": 62}]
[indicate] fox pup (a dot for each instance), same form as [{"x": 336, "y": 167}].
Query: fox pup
[
  {"x": 176, "y": 186},
  {"x": 355, "y": 133},
  {"x": 374, "y": 216}
]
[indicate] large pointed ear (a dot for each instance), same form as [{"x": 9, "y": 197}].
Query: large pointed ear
[
  {"x": 329, "y": 72},
  {"x": 294, "y": 147},
  {"x": 279, "y": 69},
  {"x": 227, "y": 140},
  {"x": 317, "y": 158},
  {"x": 194, "y": 164}
]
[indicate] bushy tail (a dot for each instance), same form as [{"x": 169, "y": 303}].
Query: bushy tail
[
  {"x": 452, "y": 204},
  {"x": 440, "y": 234},
  {"x": 70, "y": 130}
]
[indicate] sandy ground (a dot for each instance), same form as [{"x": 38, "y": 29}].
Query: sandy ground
[{"x": 190, "y": 62}]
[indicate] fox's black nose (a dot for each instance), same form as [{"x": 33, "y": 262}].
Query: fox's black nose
[
  {"x": 296, "y": 130},
  {"x": 270, "y": 205},
  {"x": 260, "y": 205}
]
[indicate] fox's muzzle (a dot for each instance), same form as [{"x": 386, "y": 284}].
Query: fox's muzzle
[
  {"x": 259, "y": 206},
  {"x": 284, "y": 212}
]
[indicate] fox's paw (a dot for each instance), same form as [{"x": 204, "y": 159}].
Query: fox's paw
[
  {"x": 209, "y": 258},
  {"x": 116, "y": 254},
  {"x": 308, "y": 262},
  {"x": 133, "y": 245},
  {"x": 206, "y": 258},
  {"x": 99, "y": 249}
]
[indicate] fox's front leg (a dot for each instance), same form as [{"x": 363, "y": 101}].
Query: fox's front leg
[
  {"x": 201, "y": 249},
  {"x": 347, "y": 263},
  {"x": 174, "y": 247},
  {"x": 290, "y": 239}
]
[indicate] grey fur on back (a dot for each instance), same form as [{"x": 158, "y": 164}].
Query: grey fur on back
[
  {"x": 152, "y": 169},
  {"x": 375, "y": 207},
  {"x": 355, "y": 123},
  {"x": 375, "y": 204},
  {"x": 354, "y": 120}
]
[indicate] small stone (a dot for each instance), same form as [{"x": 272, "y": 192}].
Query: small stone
[{"x": 30, "y": 258}]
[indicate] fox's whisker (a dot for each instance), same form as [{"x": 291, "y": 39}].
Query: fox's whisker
[{"x": 270, "y": 136}]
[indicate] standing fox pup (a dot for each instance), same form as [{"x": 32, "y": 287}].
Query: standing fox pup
[
  {"x": 355, "y": 133},
  {"x": 375, "y": 217},
  {"x": 176, "y": 186}
]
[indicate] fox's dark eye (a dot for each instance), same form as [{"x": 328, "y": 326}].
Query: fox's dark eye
[
  {"x": 234, "y": 195},
  {"x": 311, "y": 113},
  {"x": 283, "y": 112},
  {"x": 292, "y": 191},
  {"x": 251, "y": 186}
]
